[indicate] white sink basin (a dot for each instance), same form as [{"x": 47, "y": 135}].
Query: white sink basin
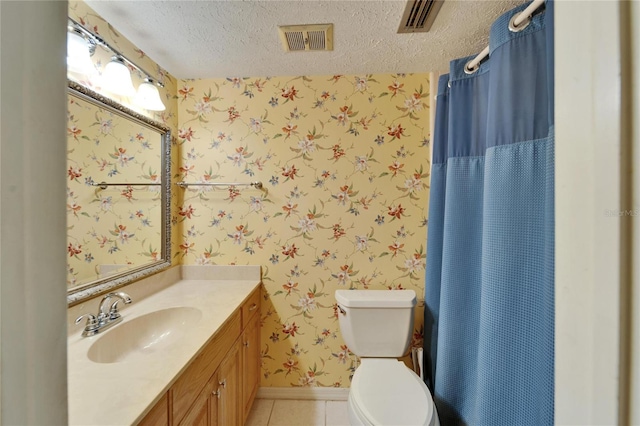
[{"x": 143, "y": 335}]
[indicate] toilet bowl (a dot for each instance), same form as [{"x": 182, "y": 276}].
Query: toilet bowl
[
  {"x": 377, "y": 326},
  {"x": 385, "y": 392}
]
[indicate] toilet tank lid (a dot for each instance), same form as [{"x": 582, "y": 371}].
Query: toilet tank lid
[{"x": 376, "y": 298}]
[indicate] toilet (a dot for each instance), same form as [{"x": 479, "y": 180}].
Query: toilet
[{"x": 377, "y": 326}]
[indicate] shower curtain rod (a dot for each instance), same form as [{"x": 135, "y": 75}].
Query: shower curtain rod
[{"x": 524, "y": 17}]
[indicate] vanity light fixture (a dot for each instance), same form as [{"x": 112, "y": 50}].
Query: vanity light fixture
[
  {"x": 116, "y": 76},
  {"x": 148, "y": 96}
]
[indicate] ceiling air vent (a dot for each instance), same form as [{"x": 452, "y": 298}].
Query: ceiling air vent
[
  {"x": 298, "y": 38},
  {"x": 419, "y": 15}
]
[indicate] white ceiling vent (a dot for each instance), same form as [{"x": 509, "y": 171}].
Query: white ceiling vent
[
  {"x": 419, "y": 15},
  {"x": 298, "y": 38}
]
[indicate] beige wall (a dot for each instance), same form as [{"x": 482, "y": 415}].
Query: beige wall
[
  {"x": 632, "y": 35},
  {"x": 592, "y": 228}
]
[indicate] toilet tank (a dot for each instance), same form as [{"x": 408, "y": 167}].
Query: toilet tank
[{"x": 376, "y": 323}]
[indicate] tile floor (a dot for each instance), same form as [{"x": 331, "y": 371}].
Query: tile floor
[{"x": 290, "y": 412}]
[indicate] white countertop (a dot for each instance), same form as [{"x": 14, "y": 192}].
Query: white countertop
[{"x": 121, "y": 393}]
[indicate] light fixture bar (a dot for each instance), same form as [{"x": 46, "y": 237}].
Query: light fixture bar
[{"x": 99, "y": 40}]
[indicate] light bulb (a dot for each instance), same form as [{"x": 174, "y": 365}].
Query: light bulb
[
  {"x": 148, "y": 96},
  {"x": 78, "y": 56},
  {"x": 117, "y": 78}
]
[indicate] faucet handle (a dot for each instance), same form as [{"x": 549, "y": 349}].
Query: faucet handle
[
  {"x": 92, "y": 321},
  {"x": 113, "y": 311}
]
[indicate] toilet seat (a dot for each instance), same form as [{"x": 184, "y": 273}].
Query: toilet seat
[{"x": 385, "y": 392}]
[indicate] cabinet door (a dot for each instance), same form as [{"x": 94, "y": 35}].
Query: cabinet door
[
  {"x": 198, "y": 414},
  {"x": 204, "y": 411},
  {"x": 229, "y": 404},
  {"x": 250, "y": 364}
]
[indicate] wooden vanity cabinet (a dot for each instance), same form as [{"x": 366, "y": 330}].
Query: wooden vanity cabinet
[{"x": 220, "y": 384}]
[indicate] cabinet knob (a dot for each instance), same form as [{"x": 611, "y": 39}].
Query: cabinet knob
[
  {"x": 253, "y": 307},
  {"x": 223, "y": 383},
  {"x": 246, "y": 344},
  {"x": 216, "y": 394}
]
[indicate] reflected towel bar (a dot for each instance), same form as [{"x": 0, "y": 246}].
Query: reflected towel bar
[
  {"x": 104, "y": 185},
  {"x": 256, "y": 184}
]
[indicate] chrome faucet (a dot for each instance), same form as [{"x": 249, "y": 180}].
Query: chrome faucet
[
  {"x": 107, "y": 317},
  {"x": 112, "y": 313}
]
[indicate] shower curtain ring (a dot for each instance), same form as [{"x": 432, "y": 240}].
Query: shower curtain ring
[
  {"x": 517, "y": 28},
  {"x": 469, "y": 70}
]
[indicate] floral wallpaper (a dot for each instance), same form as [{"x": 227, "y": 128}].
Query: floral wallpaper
[
  {"x": 91, "y": 141},
  {"x": 345, "y": 163},
  {"x": 112, "y": 229}
]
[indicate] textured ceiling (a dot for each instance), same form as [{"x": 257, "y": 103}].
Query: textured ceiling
[{"x": 211, "y": 39}]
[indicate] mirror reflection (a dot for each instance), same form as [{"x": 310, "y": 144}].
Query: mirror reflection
[{"x": 117, "y": 192}]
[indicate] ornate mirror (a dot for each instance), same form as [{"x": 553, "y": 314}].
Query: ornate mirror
[{"x": 118, "y": 195}]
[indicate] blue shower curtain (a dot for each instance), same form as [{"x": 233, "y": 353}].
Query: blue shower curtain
[{"x": 489, "y": 316}]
